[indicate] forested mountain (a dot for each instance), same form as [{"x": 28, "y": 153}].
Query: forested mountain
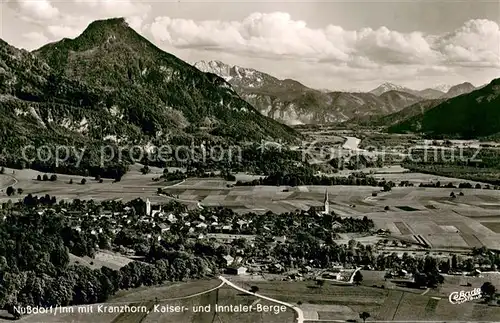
[
  {"x": 469, "y": 115},
  {"x": 459, "y": 89},
  {"x": 111, "y": 83},
  {"x": 397, "y": 117}
]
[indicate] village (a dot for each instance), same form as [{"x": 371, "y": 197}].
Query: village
[{"x": 130, "y": 229}]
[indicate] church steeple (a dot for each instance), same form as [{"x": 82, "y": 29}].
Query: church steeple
[
  {"x": 148, "y": 207},
  {"x": 326, "y": 204}
]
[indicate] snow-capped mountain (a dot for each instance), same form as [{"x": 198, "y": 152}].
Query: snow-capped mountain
[
  {"x": 216, "y": 67},
  {"x": 386, "y": 87},
  {"x": 440, "y": 91},
  {"x": 236, "y": 75},
  {"x": 443, "y": 87},
  {"x": 291, "y": 102}
]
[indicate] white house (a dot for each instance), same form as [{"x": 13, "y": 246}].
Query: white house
[{"x": 229, "y": 260}]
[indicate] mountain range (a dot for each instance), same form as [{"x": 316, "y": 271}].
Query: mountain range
[
  {"x": 293, "y": 103},
  {"x": 429, "y": 93},
  {"x": 470, "y": 115},
  {"x": 110, "y": 83}
]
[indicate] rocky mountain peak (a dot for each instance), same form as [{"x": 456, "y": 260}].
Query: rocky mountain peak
[{"x": 386, "y": 87}]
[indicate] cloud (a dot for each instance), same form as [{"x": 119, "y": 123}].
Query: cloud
[
  {"x": 70, "y": 20},
  {"x": 331, "y": 56},
  {"x": 36, "y": 39},
  {"x": 115, "y": 8},
  {"x": 477, "y": 42},
  {"x": 266, "y": 34},
  {"x": 277, "y": 35},
  {"x": 61, "y": 31},
  {"x": 135, "y": 22},
  {"x": 35, "y": 10}
]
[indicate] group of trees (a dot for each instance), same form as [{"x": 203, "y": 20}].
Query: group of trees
[
  {"x": 45, "y": 178},
  {"x": 180, "y": 175},
  {"x": 438, "y": 184},
  {"x": 488, "y": 291},
  {"x": 87, "y": 164},
  {"x": 472, "y": 164},
  {"x": 35, "y": 269},
  {"x": 35, "y": 201},
  {"x": 53, "y": 178},
  {"x": 355, "y": 179},
  {"x": 307, "y": 177},
  {"x": 83, "y": 181},
  {"x": 10, "y": 191}
]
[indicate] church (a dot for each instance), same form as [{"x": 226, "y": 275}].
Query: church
[
  {"x": 150, "y": 211},
  {"x": 322, "y": 210}
]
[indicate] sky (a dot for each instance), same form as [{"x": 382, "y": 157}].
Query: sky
[{"x": 334, "y": 45}]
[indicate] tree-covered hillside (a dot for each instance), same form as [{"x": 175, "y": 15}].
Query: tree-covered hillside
[
  {"x": 472, "y": 115},
  {"x": 153, "y": 90}
]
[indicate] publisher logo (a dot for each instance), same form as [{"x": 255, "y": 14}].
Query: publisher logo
[{"x": 464, "y": 296}]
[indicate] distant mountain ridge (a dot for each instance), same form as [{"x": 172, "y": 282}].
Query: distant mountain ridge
[
  {"x": 441, "y": 91},
  {"x": 442, "y": 87},
  {"x": 459, "y": 89},
  {"x": 386, "y": 87},
  {"x": 469, "y": 115},
  {"x": 291, "y": 102}
]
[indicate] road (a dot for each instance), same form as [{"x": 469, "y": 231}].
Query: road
[
  {"x": 298, "y": 311},
  {"x": 351, "y": 279}
]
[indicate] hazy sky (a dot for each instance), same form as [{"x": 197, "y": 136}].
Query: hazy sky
[{"x": 324, "y": 44}]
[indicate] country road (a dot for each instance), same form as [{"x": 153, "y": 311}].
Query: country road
[{"x": 298, "y": 311}]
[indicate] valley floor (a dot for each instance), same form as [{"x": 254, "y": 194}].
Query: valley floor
[{"x": 417, "y": 214}]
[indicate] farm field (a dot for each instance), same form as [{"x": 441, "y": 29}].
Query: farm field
[
  {"x": 221, "y": 297},
  {"x": 133, "y": 185},
  {"x": 336, "y": 302},
  {"x": 452, "y": 283},
  {"x": 329, "y": 302},
  {"x": 206, "y": 294},
  {"x": 102, "y": 258},
  {"x": 493, "y": 226},
  {"x": 144, "y": 296},
  {"x": 6, "y": 180},
  {"x": 168, "y": 291},
  {"x": 135, "y": 317}
]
